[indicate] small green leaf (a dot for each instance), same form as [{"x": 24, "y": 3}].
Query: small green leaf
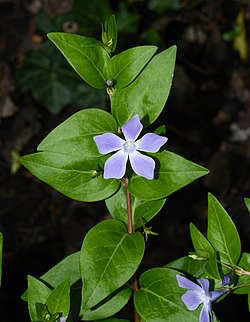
[
  {"x": 159, "y": 297},
  {"x": 75, "y": 135},
  {"x": 108, "y": 308},
  {"x": 59, "y": 299},
  {"x": 188, "y": 265},
  {"x": 243, "y": 279},
  {"x": 109, "y": 258},
  {"x": 200, "y": 243},
  {"x": 247, "y": 203},
  {"x": 85, "y": 55},
  {"x": 148, "y": 94},
  {"x": 172, "y": 173},
  {"x": 75, "y": 177},
  {"x": 37, "y": 293},
  {"x": 124, "y": 67},
  {"x": 109, "y": 34},
  {"x": 222, "y": 233},
  {"x": 142, "y": 210}
]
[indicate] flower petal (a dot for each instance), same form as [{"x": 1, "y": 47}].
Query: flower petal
[
  {"x": 216, "y": 294},
  {"x": 115, "y": 166},
  {"x": 186, "y": 283},
  {"x": 150, "y": 142},
  {"x": 206, "y": 313},
  {"x": 142, "y": 165},
  {"x": 108, "y": 142},
  {"x": 132, "y": 128},
  {"x": 192, "y": 299},
  {"x": 204, "y": 282}
]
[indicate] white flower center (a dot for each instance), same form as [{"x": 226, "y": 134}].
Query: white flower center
[
  {"x": 204, "y": 298},
  {"x": 129, "y": 147}
]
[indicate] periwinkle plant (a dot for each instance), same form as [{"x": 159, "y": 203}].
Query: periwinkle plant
[{"x": 86, "y": 158}]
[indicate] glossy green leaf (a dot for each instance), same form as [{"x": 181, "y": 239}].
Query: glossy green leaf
[
  {"x": 109, "y": 258},
  {"x": 172, "y": 173},
  {"x": 59, "y": 299},
  {"x": 110, "y": 34},
  {"x": 200, "y": 243},
  {"x": 1, "y": 255},
  {"x": 142, "y": 210},
  {"x": 247, "y": 203},
  {"x": 124, "y": 67},
  {"x": 108, "y": 308},
  {"x": 222, "y": 233},
  {"x": 188, "y": 265},
  {"x": 159, "y": 297},
  {"x": 113, "y": 320},
  {"x": 37, "y": 293},
  {"x": 147, "y": 95},
  {"x": 244, "y": 278},
  {"x": 85, "y": 55},
  {"x": 75, "y": 135},
  {"x": 73, "y": 176}
]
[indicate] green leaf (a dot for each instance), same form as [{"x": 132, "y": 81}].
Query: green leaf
[
  {"x": 37, "y": 293},
  {"x": 75, "y": 177},
  {"x": 247, "y": 203},
  {"x": 124, "y": 67},
  {"x": 159, "y": 297},
  {"x": 222, "y": 232},
  {"x": 108, "y": 308},
  {"x": 200, "y": 243},
  {"x": 188, "y": 265},
  {"x": 59, "y": 299},
  {"x": 1, "y": 255},
  {"x": 148, "y": 94},
  {"x": 75, "y": 135},
  {"x": 142, "y": 210},
  {"x": 109, "y": 258},
  {"x": 244, "y": 279},
  {"x": 172, "y": 173},
  {"x": 85, "y": 55},
  {"x": 109, "y": 34}
]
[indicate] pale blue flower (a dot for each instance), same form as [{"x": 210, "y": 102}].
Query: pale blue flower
[
  {"x": 128, "y": 149},
  {"x": 199, "y": 294}
]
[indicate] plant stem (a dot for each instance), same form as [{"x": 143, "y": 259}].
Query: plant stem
[
  {"x": 129, "y": 210},
  {"x": 130, "y": 231}
]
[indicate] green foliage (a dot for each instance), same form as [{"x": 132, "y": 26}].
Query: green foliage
[
  {"x": 159, "y": 298},
  {"x": 147, "y": 95},
  {"x": 142, "y": 210},
  {"x": 108, "y": 250},
  {"x": 172, "y": 173}
]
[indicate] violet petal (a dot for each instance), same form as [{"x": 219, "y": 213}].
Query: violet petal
[
  {"x": 132, "y": 128},
  {"x": 150, "y": 142},
  {"x": 205, "y": 313},
  {"x": 186, "y": 283},
  {"x": 142, "y": 165},
  {"x": 108, "y": 142},
  {"x": 216, "y": 294},
  {"x": 192, "y": 299},
  {"x": 115, "y": 166},
  {"x": 205, "y": 284}
]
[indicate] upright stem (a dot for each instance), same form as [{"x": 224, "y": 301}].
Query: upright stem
[{"x": 130, "y": 231}]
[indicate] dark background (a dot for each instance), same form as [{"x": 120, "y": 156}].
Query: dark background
[{"x": 207, "y": 118}]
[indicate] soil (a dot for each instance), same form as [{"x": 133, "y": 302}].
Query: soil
[{"x": 208, "y": 121}]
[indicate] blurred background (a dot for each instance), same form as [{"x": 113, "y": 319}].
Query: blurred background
[{"x": 207, "y": 117}]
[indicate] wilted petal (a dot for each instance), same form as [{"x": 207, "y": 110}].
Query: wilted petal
[
  {"x": 142, "y": 165},
  {"x": 216, "y": 294},
  {"x": 115, "y": 166},
  {"x": 186, "y": 283},
  {"x": 108, "y": 142},
  {"x": 205, "y": 314},
  {"x": 132, "y": 128},
  {"x": 150, "y": 142},
  {"x": 226, "y": 280},
  {"x": 205, "y": 284},
  {"x": 192, "y": 299}
]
